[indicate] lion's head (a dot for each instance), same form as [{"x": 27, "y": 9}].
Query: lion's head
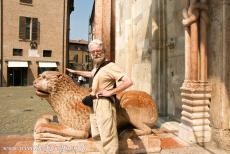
[{"x": 46, "y": 83}]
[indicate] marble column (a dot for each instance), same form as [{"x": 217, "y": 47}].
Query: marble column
[{"x": 196, "y": 90}]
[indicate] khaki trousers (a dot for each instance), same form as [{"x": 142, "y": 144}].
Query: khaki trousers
[{"x": 105, "y": 123}]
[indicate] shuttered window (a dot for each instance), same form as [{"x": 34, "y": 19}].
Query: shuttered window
[
  {"x": 22, "y": 28},
  {"x": 86, "y": 58},
  {"x": 26, "y": 1},
  {"x": 35, "y": 29},
  {"x": 76, "y": 58},
  {"x": 28, "y": 23},
  {"x": 28, "y": 28}
]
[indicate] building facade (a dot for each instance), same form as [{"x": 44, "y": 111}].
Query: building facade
[
  {"x": 79, "y": 58},
  {"x": 102, "y": 25},
  {"x": 185, "y": 64},
  {"x": 34, "y": 38}
]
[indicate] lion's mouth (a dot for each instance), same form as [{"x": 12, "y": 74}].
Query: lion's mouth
[{"x": 42, "y": 93}]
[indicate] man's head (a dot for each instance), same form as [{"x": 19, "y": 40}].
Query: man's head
[{"x": 97, "y": 51}]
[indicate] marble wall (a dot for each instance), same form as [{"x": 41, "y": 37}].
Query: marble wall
[{"x": 150, "y": 48}]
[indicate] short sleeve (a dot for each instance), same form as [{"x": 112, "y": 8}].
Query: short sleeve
[{"x": 115, "y": 72}]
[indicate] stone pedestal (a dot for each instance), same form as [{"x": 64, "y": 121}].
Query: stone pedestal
[
  {"x": 68, "y": 147},
  {"x": 194, "y": 127},
  {"x": 140, "y": 144},
  {"x": 137, "y": 144}
]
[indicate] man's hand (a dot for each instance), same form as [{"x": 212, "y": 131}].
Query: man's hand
[
  {"x": 105, "y": 93},
  {"x": 70, "y": 70}
]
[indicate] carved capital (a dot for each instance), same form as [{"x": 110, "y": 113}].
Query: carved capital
[
  {"x": 196, "y": 86},
  {"x": 192, "y": 14}
]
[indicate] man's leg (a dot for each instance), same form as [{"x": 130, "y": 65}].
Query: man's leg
[
  {"x": 107, "y": 125},
  {"x": 94, "y": 128}
]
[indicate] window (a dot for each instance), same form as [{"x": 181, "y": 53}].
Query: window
[
  {"x": 76, "y": 58},
  {"x": 76, "y": 47},
  {"x": 86, "y": 58},
  {"x": 28, "y": 28},
  {"x": 47, "y": 53},
  {"x": 81, "y": 47},
  {"x": 17, "y": 52},
  {"x": 85, "y": 48},
  {"x": 26, "y": 1},
  {"x": 43, "y": 69}
]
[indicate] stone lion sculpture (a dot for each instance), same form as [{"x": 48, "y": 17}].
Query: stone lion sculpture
[{"x": 72, "y": 120}]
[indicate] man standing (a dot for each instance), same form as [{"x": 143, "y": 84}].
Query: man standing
[{"x": 104, "y": 79}]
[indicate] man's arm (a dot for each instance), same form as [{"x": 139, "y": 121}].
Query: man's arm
[
  {"x": 87, "y": 74},
  {"x": 126, "y": 83}
]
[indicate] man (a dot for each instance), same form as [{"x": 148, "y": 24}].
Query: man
[{"x": 103, "y": 88}]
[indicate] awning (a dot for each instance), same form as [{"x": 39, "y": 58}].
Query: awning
[
  {"x": 17, "y": 64},
  {"x": 47, "y": 64}
]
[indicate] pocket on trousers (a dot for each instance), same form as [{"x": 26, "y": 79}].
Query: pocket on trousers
[{"x": 94, "y": 127}]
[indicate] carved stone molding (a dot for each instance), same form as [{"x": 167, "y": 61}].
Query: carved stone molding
[
  {"x": 196, "y": 90},
  {"x": 195, "y": 114},
  {"x": 196, "y": 86}
]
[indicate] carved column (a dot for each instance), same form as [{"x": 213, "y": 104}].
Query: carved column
[{"x": 196, "y": 90}]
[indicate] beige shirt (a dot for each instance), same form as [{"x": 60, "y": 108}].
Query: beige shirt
[{"x": 106, "y": 77}]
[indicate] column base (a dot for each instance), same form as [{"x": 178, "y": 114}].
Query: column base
[
  {"x": 189, "y": 135},
  {"x": 194, "y": 127}
]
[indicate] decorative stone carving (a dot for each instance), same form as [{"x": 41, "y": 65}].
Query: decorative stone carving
[
  {"x": 196, "y": 90},
  {"x": 72, "y": 121}
]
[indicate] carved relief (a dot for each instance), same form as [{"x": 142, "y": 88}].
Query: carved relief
[
  {"x": 195, "y": 22},
  {"x": 72, "y": 120}
]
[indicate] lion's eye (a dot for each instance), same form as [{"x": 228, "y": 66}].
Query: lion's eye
[{"x": 43, "y": 76}]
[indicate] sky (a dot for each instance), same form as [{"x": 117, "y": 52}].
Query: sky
[{"x": 79, "y": 19}]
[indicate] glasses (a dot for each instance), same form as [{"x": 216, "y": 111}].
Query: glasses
[{"x": 95, "y": 51}]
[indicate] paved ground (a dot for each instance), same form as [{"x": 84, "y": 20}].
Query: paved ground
[
  {"x": 20, "y": 108},
  {"x": 170, "y": 144}
]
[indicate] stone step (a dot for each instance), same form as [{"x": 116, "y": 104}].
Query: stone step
[
  {"x": 195, "y": 115},
  {"x": 195, "y": 108},
  {"x": 195, "y": 102},
  {"x": 161, "y": 138},
  {"x": 195, "y": 122},
  {"x": 138, "y": 144},
  {"x": 16, "y": 144}
]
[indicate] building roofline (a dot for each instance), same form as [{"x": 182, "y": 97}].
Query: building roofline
[{"x": 78, "y": 42}]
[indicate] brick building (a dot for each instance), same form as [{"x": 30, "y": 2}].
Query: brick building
[
  {"x": 102, "y": 25},
  {"x": 34, "y": 38},
  {"x": 79, "y": 57}
]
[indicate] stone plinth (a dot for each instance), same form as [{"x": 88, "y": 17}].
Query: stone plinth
[
  {"x": 68, "y": 147},
  {"x": 195, "y": 115},
  {"x": 138, "y": 144}
]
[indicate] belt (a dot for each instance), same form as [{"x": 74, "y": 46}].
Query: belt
[{"x": 112, "y": 98}]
